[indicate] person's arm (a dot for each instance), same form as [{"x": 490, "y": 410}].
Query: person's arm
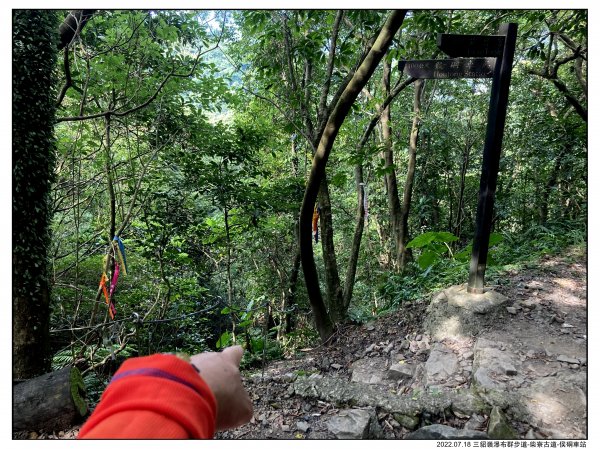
[{"x": 162, "y": 396}]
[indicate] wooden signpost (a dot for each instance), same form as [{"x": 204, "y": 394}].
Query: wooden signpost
[{"x": 475, "y": 56}]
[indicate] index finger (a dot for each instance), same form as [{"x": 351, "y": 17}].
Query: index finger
[{"x": 234, "y": 353}]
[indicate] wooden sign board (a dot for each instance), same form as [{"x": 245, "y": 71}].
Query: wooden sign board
[
  {"x": 470, "y": 46},
  {"x": 449, "y": 68}
]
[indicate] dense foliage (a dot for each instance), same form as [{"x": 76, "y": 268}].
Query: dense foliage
[{"x": 190, "y": 135}]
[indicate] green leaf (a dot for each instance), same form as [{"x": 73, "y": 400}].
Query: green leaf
[
  {"x": 429, "y": 237},
  {"x": 245, "y": 323},
  {"x": 339, "y": 179},
  {"x": 427, "y": 258},
  {"x": 224, "y": 340},
  {"x": 495, "y": 238}
]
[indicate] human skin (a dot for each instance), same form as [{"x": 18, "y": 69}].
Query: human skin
[{"x": 221, "y": 371}]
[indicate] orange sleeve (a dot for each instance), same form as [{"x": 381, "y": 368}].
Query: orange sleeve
[{"x": 158, "y": 396}]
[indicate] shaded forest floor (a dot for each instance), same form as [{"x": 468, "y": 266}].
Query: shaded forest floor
[{"x": 534, "y": 354}]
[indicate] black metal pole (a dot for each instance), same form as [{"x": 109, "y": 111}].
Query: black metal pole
[{"x": 491, "y": 158}]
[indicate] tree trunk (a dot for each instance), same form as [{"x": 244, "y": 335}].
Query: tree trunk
[
  {"x": 461, "y": 190},
  {"x": 72, "y": 25},
  {"x": 33, "y": 158},
  {"x": 550, "y": 184},
  {"x": 358, "y": 232},
  {"x": 289, "y": 299},
  {"x": 52, "y": 402},
  {"x": 391, "y": 182},
  {"x": 403, "y": 255},
  {"x": 336, "y": 118},
  {"x": 110, "y": 263},
  {"x": 229, "y": 279},
  {"x": 332, "y": 275}
]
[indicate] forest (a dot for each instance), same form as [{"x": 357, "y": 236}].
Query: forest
[{"x": 184, "y": 181}]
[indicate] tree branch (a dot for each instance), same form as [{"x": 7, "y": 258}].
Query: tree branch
[{"x": 72, "y": 26}]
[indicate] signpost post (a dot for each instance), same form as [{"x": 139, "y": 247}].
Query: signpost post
[{"x": 478, "y": 57}]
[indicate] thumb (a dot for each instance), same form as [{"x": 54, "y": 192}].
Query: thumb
[{"x": 234, "y": 353}]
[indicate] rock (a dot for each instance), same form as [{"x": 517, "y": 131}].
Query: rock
[
  {"x": 370, "y": 328},
  {"x": 566, "y": 359},
  {"x": 33, "y": 436},
  {"x": 285, "y": 428},
  {"x": 414, "y": 346},
  {"x": 549, "y": 400},
  {"x": 498, "y": 426},
  {"x": 491, "y": 364},
  {"x": 407, "y": 421},
  {"x": 405, "y": 344},
  {"x": 441, "y": 364},
  {"x": 336, "y": 366},
  {"x": 478, "y": 303},
  {"x": 508, "y": 368},
  {"x": 400, "y": 371},
  {"x": 511, "y": 310},
  {"x": 388, "y": 348},
  {"x": 466, "y": 404},
  {"x": 302, "y": 426},
  {"x": 351, "y": 424},
  {"x": 369, "y": 371},
  {"x": 325, "y": 363},
  {"x": 530, "y": 435},
  {"x": 370, "y": 348},
  {"x": 567, "y": 325},
  {"x": 467, "y": 355},
  {"x": 475, "y": 422},
  {"x": 289, "y": 377},
  {"x": 423, "y": 345},
  {"x": 442, "y": 432}
]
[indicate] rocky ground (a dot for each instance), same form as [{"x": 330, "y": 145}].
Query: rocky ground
[{"x": 517, "y": 368}]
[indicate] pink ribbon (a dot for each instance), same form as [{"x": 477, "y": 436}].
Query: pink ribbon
[{"x": 113, "y": 284}]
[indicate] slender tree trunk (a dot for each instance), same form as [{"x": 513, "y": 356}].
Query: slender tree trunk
[
  {"x": 403, "y": 255},
  {"x": 289, "y": 299},
  {"x": 332, "y": 276},
  {"x": 461, "y": 189},
  {"x": 362, "y": 75},
  {"x": 109, "y": 264},
  {"x": 391, "y": 182},
  {"x": 358, "y": 232},
  {"x": 228, "y": 268},
  {"x": 550, "y": 184}
]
